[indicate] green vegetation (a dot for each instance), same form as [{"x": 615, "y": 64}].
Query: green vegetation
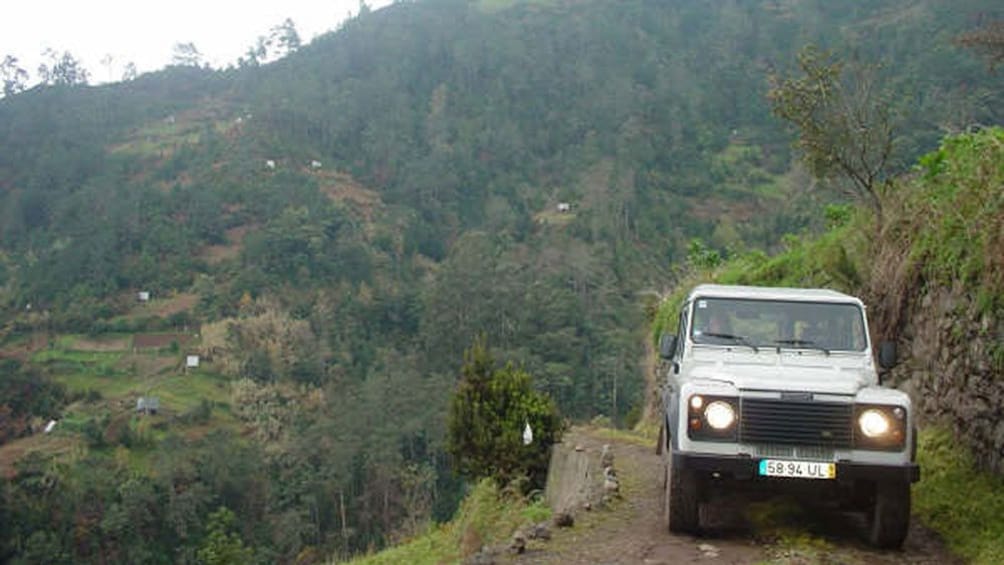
[
  {"x": 334, "y": 301},
  {"x": 223, "y": 546},
  {"x": 643, "y": 436},
  {"x": 944, "y": 228},
  {"x": 955, "y": 218},
  {"x": 964, "y": 505},
  {"x": 488, "y": 516},
  {"x": 844, "y": 122},
  {"x": 25, "y": 395},
  {"x": 795, "y": 533},
  {"x": 498, "y": 426}
]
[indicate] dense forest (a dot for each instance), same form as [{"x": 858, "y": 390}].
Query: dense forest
[{"x": 330, "y": 231}]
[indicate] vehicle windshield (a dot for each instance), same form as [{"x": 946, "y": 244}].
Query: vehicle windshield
[{"x": 781, "y": 324}]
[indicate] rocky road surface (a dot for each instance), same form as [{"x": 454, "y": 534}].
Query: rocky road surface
[{"x": 629, "y": 529}]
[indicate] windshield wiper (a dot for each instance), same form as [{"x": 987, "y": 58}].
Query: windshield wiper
[
  {"x": 803, "y": 343},
  {"x": 740, "y": 339}
]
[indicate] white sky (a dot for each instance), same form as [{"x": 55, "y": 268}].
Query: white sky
[{"x": 145, "y": 32}]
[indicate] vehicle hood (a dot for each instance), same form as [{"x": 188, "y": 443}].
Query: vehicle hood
[{"x": 830, "y": 374}]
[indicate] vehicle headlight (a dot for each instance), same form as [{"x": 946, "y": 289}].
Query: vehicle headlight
[
  {"x": 720, "y": 415},
  {"x": 712, "y": 418},
  {"x": 873, "y": 423},
  {"x": 880, "y": 426}
]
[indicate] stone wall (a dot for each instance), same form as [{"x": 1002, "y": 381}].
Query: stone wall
[
  {"x": 582, "y": 474},
  {"x": 952, "y": 364},
  {"x": 574, "y": 477}
]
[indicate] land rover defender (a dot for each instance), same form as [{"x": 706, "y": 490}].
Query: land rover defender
[{"x": 776, "y": 390}]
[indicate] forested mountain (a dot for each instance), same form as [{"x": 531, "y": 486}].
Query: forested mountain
[{"x": 331, "y": 230}]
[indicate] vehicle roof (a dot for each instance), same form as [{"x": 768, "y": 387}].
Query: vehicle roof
[{"x": 771, "y": 293}]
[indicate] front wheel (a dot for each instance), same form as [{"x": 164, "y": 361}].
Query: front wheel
[
  {"x": 890, "y": 515},
  {"x": 682, "y": 499}
]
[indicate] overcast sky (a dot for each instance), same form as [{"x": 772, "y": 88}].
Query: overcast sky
[{"x": 145, "y": 31}]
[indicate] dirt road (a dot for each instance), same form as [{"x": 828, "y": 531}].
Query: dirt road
[{"x": 629, "y": 530}]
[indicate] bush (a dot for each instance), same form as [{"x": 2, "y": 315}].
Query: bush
[{"x": 488, "y": 415}]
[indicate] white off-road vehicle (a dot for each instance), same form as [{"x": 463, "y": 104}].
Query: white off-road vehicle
[{"x": 776, "y": 390}]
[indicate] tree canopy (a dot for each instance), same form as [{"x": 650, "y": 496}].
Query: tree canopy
[{"x": 499, "y": 426}]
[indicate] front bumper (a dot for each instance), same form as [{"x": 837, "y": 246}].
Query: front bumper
[{"x": 742, "y": 467}]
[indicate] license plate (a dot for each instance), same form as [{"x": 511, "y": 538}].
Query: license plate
[{"x": 797, "y": 469}]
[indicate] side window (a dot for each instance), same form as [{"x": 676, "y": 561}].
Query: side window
[{"x": 681, "y": 332}]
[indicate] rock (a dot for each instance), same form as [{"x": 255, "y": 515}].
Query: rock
[
  {"x": 999, "y": 436},
  {"x": 517, "y": 545},
  {"x": 483, "y": 557},
  {"x": 539, "y": 531},
  {"x": 607, "y": 456},
  {"x": 708, "y": 550},
  {"x": 563, "y": 520},
  {"x": 611, "y": 486}
]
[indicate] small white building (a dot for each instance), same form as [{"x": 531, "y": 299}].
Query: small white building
[
  {"x": 315, "y": 164},
  {"x": 143, "y": 296},
  {"x": 564, "y": 207},
  {"x": 147, "y": 405},
  {"x": 270, "y": 164},
  {"x": 192, "y": 362},
  {"x": 50, "y": 426}
]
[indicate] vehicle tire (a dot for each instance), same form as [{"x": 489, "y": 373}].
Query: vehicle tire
[
  {"x": 682, "y": 499},
  {"x": 890, "y": 515}
]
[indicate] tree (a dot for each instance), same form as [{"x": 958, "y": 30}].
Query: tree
[
  {"x": 62, "y": 69},
  {"x": 130, "y": 72},
  {"x": 282, "y": 40},
  {"x": 845, "y": 126},
  {"x": 107, "y": 62},
  {"x": 223, "y": 546},
  {"x": 186, "y": 55},
  {"x": 14, "y": 77},
  {"x": 988, "y": 40},
  {"x": 488, "y": 415}
]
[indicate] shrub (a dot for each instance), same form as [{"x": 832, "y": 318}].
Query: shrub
[{"x": 488, "y": 414}]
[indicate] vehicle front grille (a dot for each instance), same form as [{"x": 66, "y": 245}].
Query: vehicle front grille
[
  {"x": 788, "y": 422},
  {"x": 804, "y": 452}
]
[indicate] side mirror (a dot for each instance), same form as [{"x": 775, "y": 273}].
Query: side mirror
[
  {"x": 667, "y": 346},
  {"x": 887, "y": 354}
]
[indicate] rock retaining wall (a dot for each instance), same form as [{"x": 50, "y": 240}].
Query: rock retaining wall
[
  {"x": 952, "y": 364},
  {"x": 581, "y": 476}
]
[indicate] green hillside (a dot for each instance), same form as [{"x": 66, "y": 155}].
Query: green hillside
[{"x": 331, "y": 230}]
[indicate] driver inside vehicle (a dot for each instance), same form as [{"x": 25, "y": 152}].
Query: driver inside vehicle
[
  {"x": 718, "y": 323},
  {"x": 814, "y": 332}
]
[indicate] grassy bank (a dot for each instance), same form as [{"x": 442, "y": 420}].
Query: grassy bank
[
  {"x": 964, "y": 505},
  {"x": 486, "y": 517}
]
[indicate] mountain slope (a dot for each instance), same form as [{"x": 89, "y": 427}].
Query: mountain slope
[{"x": 348, "y": 217}]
